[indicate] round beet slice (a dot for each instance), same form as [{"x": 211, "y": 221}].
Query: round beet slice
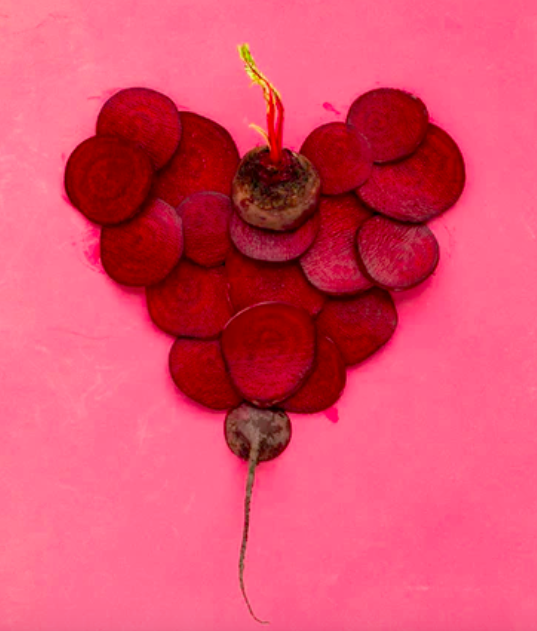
[
  {"x": 396, "y": 255},
  {"x": 144, "y": 250},
  {"x": 192, "y": 301},
  {"x": 359, "y": 326},
  {"x": 331, "y": 264},
  {"x": 206, "y": 160},
  {"x": 394, "y": 121},
  {"x": 198, "y": 370},
  {"x": 206, "y": 218},
  {"x": 108, "y": 179},
  {"x": 325, "y": 384},
  {"x": 146, "y": 117},
  {"x": 341, "y": 155},
  {"x": 251, "y": 282},
  {"x": 269, "y": 245},
  {"x": 421, "y": 186},
  {"x": 269, "y": 350}
]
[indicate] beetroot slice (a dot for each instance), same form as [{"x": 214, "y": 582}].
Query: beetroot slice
[
  {"x": 394, "y": 121},
  {"x": 421, "y": 186},
  {"x": 325, "y": 384},
  {"x": 198, "y": 370},
  {"x": 192, "y": 301},
  {"x": 145, "y": 249},
  {"x": 331, "y": 263},
  {"x": 206, "y": 160},
  {"x": 206, "y": 218},
  {"x": 146, "y": 117},
  {"x": 359, "y": 326},
  {"x": 269, "y": 245},
  {"x": 108, "y": 179},
  {"x": 396, "y": 255},
  {"x": 251, "y": 282},
  {"x": 341, "y": 155},
  {"x": 269, "y": 350}
]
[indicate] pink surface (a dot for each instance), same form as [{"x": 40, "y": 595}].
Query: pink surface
[{"x": 121, "y": 504}]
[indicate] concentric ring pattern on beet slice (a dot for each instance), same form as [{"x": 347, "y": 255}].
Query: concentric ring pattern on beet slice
[
  {"x": 198, "y": 370},
  {"x": 421, "y": 186},
  {"x": 192, "y": 301},
  {"x": 108, "y": 179},
  {"x": 206, "y": 218},
  {"x": 269, "y": 350},
  {"x": 396, "y": 255},
  {"x": 331, "y": 264},
  {"x": 206, "y": 160},
  {"x": 251, "y": 282},
  {"x": 394, "y": 121},
  {"x": 145, "y": 249},
  {"x": 146, "y": 117},
  {"x": 325, "y": 384},
  {"x": 341, "y": 155},
  {"x": 359, "y": 326},
  {"x": 269, "y": 245}
]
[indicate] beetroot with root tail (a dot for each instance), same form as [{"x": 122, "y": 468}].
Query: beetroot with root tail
[
  {"x": 145, "y": 117},
  {"x": 256, "y": 436},
  {"x": 394, "y": 121}
]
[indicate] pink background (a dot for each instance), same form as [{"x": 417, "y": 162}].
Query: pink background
[{"x": 121, "y": 506}]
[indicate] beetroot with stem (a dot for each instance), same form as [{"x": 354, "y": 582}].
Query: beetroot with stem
[
  {"x": 394, "y": 121},
  {"x": 274, "y": 188},
  {"x": 145, "y": 249},
  {"x": 396, "y": 255},
  {"x": 256, "y": 436},
  {"x": 269, "y": 245},
  {"x": 108, "y": 179},
  {"x": 146, "y": 117},
  {"x": 251, "y": 282},
  {"x": 421, "y": 186}
]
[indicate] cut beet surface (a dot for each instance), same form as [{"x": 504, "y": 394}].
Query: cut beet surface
[
  {"x": 396, "y": 255},
  {"x": 108, "y": 179},
  {"x": 269, "y": 245},
  {"x": 341, "y": 155},
  {"x": 146, "y": 117},
  {"x": 206, "y": 218},
  {"x": 325, "y": 384},
  {"x": 192, "y": 301},
  {"x": 394, "y": 121},
  {"x": 198, "y": 370},
  {"x": 359, "y": 326},
  {"x": 251, "y": 282},
  {"x": 144, "y": 250},
  {"x": 331, "y": 263},
  {"x": 421, "y": 186},
  {"x": 206, "y": 160},
  {"x": 269, "y": 350}
]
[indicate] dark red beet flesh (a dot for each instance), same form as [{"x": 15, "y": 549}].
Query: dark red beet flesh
[
  {"x": 143, "y": 250},
  {"x": 108, "y": 179},
  {"x": 396, "y": 255},
  {"x": 341, "y": 155},
  {"x": 359, "y": 326},
  {"x": 198, "y": 370},
  {"x": 206, "y": 218},
  {"x": 269, "y": 245},
  {"x": 421, "y": 186},
  {"x": 192, "y": 301},
  {"x": 251, "y": 282},
  {"x": 325, "y": 384},
  {"x": 206, "y": 160},
  {"x": 331, "y": 264},
  {"x": 146, "y": 117},
  {"x": 269, "y": 350},
  {"x": 394, "y": 121}
]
